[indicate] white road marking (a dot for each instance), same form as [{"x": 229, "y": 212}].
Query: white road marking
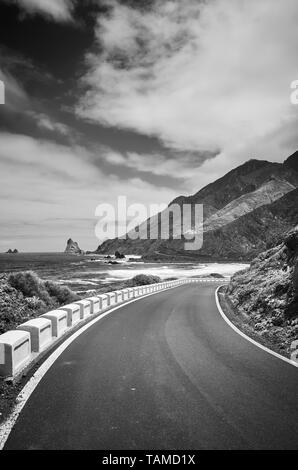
[{"x": 273, "y": 353}]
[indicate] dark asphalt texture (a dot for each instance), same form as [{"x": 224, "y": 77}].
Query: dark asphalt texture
[{"x": 165, "y": 372}]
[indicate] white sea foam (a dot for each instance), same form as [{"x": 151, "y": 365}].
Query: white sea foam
[
  {"x": 78, "y": 281},
  {"x": 163, "y": 272}
]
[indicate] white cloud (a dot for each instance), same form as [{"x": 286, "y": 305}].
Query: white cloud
[
  {"x": 49, "y": 192},
  {"x": 44, "y": 121},
  {"x": 157, "y": 164},
  {"x": 200, "y": 75},
  {"x": 58, "y": 10}
]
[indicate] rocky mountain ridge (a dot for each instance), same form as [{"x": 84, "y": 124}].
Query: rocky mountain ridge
[{"x": 244, "y": 211}]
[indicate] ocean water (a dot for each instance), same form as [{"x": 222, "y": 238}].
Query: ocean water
[{"x": 83, "y": 273}]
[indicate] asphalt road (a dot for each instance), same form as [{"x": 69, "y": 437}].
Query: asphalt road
[{"x": 165, "y": 372}]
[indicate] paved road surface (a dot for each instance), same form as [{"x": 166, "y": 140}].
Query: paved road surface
[{"x": 165, "y": 372}]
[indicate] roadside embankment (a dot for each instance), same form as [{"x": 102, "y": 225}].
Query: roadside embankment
[{"x": 262, "y": 300}]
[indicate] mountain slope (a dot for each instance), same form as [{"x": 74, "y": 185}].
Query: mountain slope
[
  {"x": 266, "y": 194},
  {"x": 292, "y": 162},
  {"x": 257, "y": 196},
  {"x": 254, "y": 232},
  {"x": 265, "y": 295}
]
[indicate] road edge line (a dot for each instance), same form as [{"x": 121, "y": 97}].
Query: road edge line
[
  {"x": 259, "y": 345},
  {"x": 24, "y": 395}
]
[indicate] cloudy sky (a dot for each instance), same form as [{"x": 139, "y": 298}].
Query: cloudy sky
[{"x": 148, "y": 99}]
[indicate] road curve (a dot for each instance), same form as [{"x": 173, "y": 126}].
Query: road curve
[{"x": 165, "y": 372}]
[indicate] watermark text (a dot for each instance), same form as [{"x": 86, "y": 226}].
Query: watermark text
[{"x": 153, "y": 222}]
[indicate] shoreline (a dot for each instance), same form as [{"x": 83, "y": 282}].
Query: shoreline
[{"x": 139, "y": 258}]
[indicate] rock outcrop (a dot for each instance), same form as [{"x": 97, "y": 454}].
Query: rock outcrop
[
  {"x": 72, "y": 248},
  {"x": 291, "y": 243},
  {"x": 267, "y": 292},
  {"x": 12, "y": 252}
]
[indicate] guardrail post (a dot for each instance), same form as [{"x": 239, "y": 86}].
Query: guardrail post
[
  {"x": 40, "y": 330},
  {"x": 15, "y": 352}
]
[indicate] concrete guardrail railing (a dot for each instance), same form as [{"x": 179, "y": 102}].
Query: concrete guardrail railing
[
  {"x": 40, "y": 330},
  {"x": 104, "y": 302},
  {"x": 74, "y": 314},
  {"x": 59, "y": 321},
  {"x": 85, "y": 307},
  {"x": 119, "y": 296},
  {"x": 15, "y": 352},
  {"x": 18, "y": 348},
  {"x": 95, "y": 305}
]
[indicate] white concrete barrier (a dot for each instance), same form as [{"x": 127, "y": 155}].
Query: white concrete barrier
[
  {"x": 85, "y": 308},
  {"x": 15, "y": 352},
  {"x": 16, "y": 346},
  {"x": 125, "y": 294},
  {"x": 73, "y": 314},
  {"x": 136, "y": 292},
  {"x": 119, "y": 296},
  {"x": 95, "y": 304},
  {"x": 130, "y": 292},
  {"x": 40, "y": 330},
  {"x": 111, "y": 298},
  {"x": 58, "y": 319},
  {"x": 103, "y": 298}
]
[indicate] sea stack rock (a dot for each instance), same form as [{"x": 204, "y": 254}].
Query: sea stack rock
[
  {"x": 72, "y": 248},
  {"x": 12, "y": 252}
]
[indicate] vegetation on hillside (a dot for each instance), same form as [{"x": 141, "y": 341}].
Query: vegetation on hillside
[
  {"x": 266, "y": 294},
  {"x": 143, "y": 279},
  {"x": 24, "y": 296}
]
